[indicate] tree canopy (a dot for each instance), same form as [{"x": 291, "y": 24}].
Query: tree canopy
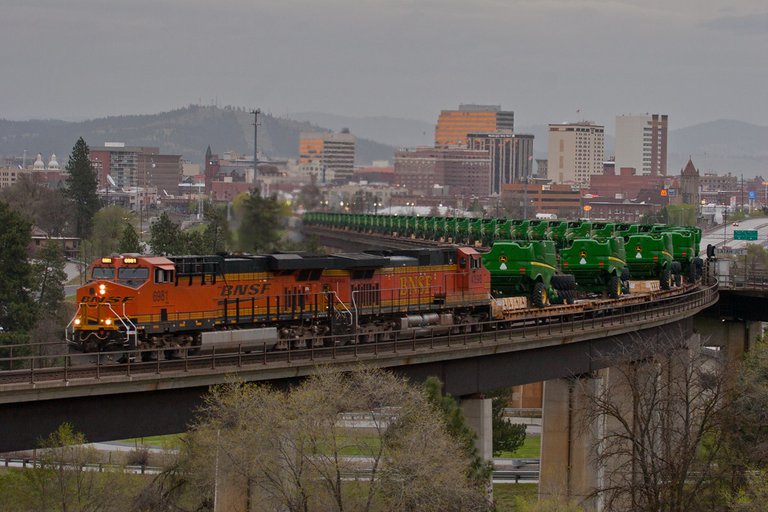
[
  {"x": 129, "y": 240},
  {"x": 17, "y": 309},
  {"x": 81, "y": 186},
  {"x": 49, "y": 276},
  {"x": 289, "y": 450},
  {"x": 259, "y": 222},
  {"x": 165, "y": 236},
  {"x": 46, "y": 208}
]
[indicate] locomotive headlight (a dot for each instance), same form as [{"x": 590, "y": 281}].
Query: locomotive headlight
[
  {"x": 77, "y": 321},
  {"x": 108, "y": 321},
  {"x": 102, "y": 289}
]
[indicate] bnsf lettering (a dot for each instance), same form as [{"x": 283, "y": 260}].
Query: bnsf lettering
[
  {"x": 415, "y": 281},
  {"x": 106, "y": 299},
  {"x": 229, "y": 290}
]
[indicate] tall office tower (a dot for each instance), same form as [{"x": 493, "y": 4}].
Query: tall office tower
[
  {"x": 511, "y": 156},
  {"x": 454, "y": 125},
  {"x": 330, "y": 156},
  {"x": 641, "y": 143},
  {"x": 575, "y": 151}
]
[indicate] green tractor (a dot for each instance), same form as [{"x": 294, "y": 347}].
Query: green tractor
[
  {"x": 598, "y": 265},
  {"x": 521, "y": 268}
]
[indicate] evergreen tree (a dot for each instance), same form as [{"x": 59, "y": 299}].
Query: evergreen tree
[
  {"x": 193, "y": 242},
  {"x": 216, "y": 236},
  {"x": 259, "y": 223},
  {"x": 17, "y": 309},
  {"x": 49, "y": 276},
  {"x": 165, "y": 236},
  {"x": 507, "y": 437},
  {"x": 81, "y": 188},
  {"x": 129, "y": 241},
  {"x": 457, "y": 426}
]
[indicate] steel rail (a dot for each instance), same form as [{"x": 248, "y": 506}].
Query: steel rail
[{"x": 485, "y": 337}]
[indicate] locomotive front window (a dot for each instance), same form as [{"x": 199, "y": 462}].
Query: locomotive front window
[
  {"x": 132, "y": 276},
  {"x": 107, "y": 273}
]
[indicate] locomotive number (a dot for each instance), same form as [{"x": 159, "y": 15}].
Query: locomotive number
[{"x": 160, "y": 296}]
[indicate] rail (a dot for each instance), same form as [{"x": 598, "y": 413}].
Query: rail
[
  {"x": 148, "y": 363},
  {"x": 738, "y": 281},
  {"x": 499, "y": 475}
]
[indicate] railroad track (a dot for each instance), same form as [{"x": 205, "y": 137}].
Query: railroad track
[{"x": 566, "y": 322}]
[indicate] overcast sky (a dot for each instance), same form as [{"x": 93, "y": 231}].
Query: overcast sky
[{"x": 697, "y": 60}]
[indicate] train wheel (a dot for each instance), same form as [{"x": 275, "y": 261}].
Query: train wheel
[
  {"x": 614, "y": 287},
  {"x": 539, "y": 297}
]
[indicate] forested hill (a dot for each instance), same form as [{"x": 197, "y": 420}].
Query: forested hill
[{"x": 186, "y": 132}]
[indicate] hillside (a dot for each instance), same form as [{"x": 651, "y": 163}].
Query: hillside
[
  {"x": 186, "y": 131},
  {"x": 722, "y": 145},
  {"x": 397, "y": 132}
]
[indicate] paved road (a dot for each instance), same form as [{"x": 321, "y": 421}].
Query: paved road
[{"x": 724, "y": 234}]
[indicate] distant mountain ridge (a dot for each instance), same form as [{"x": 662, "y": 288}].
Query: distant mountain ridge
[
  {"x": 186, "y": 131},
  {"x": 397, "y": 132},
  {"x": 722, "y": 145}
]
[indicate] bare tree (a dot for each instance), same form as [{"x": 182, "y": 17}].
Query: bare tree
[
  {"x": 657, "y": 423},
  {"x": 62, "y": 481},
  {"x": 364, "y": 441}
]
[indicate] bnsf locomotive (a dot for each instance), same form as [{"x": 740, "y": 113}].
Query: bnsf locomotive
[{"x": 135, "y": 302}]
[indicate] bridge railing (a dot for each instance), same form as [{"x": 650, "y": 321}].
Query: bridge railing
[{"x": 354, "y": 347}]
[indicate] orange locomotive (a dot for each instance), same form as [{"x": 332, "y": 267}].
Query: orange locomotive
[{"x": 133, "y": 302}]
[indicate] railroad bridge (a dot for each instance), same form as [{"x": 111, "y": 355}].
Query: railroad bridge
[{"x": 109, "y": 401}]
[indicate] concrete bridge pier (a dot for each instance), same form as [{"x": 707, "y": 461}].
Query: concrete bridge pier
[
  {"x": 567, "y": 468},
  {"x": 584, "y": 448},
  {"x": 733, "y": 336},
  {"x": 478, "y": 414}
]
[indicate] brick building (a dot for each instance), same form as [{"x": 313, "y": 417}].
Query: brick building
[
  {"x": 464, "y": 171},
  {"x": 561, "y": 200}
]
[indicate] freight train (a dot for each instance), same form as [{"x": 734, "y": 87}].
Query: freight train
[
  {"x": 141, "y": 302},
  {"x": 292, "y": 300},
  {"x": 550, "y": 260}
]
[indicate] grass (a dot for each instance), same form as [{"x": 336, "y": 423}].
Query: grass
[
  {"x": 171, "y": 441},
  {"x": 531, "y": 449},
  {"x": 509, "y": 497}
]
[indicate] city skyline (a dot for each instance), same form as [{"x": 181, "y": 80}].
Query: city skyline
[{"x": 549, "y": 62}]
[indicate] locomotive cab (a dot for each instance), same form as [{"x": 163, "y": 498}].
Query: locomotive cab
[{"x": 105, "y": 304}]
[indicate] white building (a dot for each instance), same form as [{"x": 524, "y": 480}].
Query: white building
[
  {"x": 641, "y": 144},
  {"x": 575, "y": 152}
]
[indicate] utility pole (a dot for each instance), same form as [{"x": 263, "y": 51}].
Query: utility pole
[
  {"x": 256, "y": 113},
  {"x": 741, "y": 207}
]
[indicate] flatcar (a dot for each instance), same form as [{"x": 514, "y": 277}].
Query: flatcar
[{"x": 140, "y": 302}]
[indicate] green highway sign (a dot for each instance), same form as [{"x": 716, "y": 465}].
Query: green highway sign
[{"x": 745, "y": 234}]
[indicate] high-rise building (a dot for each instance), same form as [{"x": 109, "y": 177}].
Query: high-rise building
[
  {"x": 329, "y": 156},
  {"x": 136, "y": 167},
  {"x": 575, "y": 151},
  {"x": 641, "y": 143},
  {"x": 454, "y": 125},
  {"x": 511, "y": 156},
  {"x": 464, "y": 171}
]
